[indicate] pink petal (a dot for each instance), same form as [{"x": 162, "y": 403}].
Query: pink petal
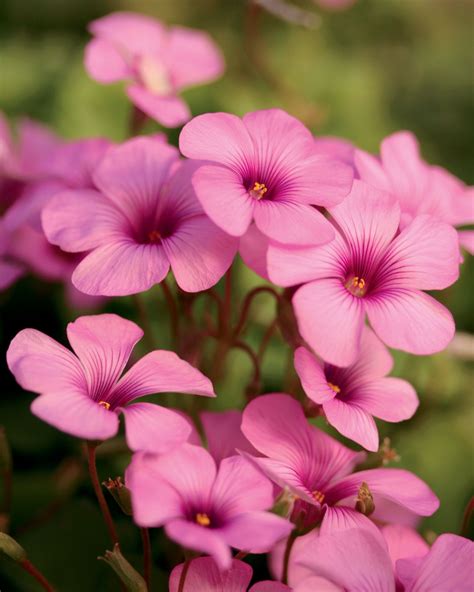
[
  {"x": 103, "y": 344},
  {"x": 224, "y": 198},
  {"x": 192, "y": 57},
  {"x": 353, "y": 421},
  {"x": 403, "y": 541},
  {"x": 253, "y": 249},
  {"x": 76, "y": 414},
  {"x": 104, "y": 63},
  {"x": 411, "y": 321},
  {"x": 336, "y": 147},
  {"x": 256, "y": 532},
  {"x": 153, "y": 428},
  {"x": 223, "y": 434},
  {"x": 240, "y": 487},
  {"x": 339, "y": 518},
  {"x": 40, "y": 364},
  {"x": 397, "y": 485},
  {"x": 311, "y": 373},
  {"x": 292, "y": 223},
  {"x": 374, "y": 360},
  {"x": 425, "y": 256},
  {"x": 390, "y": 399},
  {"x": 9, "y": 273},
  {"x": 466, "y": 240},
  {"x": 354, "y": 559},
  {"x": 448, "y": 566},
  {"x": 330, "y": 319},
  {"x": 218, "y": 137},
  {"x": 80, "y": 220},
  {"x": 204, "y": 576},
  {"x": 37, "y": 143},
  {"x": 296, "y": 572},
  {"x": 131, "y": 175},
  {"x": 199, "y": 538},
  {"x": 199, "y": 253},
  {"x": 170, "y": 111},
  {"x": 269, "y": 586},
  {"x": 371, "y": 171},
  {"x": 161, "y": 371},
  {"x": 120, "y": 269},
  {"x": 316, "y": 583}
]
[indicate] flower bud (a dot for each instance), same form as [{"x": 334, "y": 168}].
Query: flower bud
[
  {"x": 120, "y": 493},
  {"x": 132, "y": 580},
  {"x": 365, "y": 502},
  {"x": 11, "y": 548},
  {"x": 283, "y": 505}
]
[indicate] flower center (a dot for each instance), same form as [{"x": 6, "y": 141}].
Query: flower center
[
  {"x": 356, "y": 286},
  {"x": 154, "y": 236},
  {"x": 334, "y": 387},
  {"x": 203, "y": 519},
  {"x": 154, "y": 76},
  {"x": 318, "y": 496},
  {"x": 104, "y": 404},
  {"x": 258, "y": 190}
]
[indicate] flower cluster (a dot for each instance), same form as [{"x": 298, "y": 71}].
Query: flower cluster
[{"x": 354, "y": 240}]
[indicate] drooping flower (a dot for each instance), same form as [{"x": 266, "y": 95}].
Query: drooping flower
[
  {"x": 84, "y": 394},
  {"x": 203, "y": 508},
  {"x": 318, "y": 469},
  {"x": 142, "y": 219},
  {"x": 157, "y": 62},
  {"x": 420, "y": 188},
  {"x": 358, "y": 560},
  {"x": 350, "y": 396},
  {"x": 264, "y": 167},
  {"x": 370, "y": 269}
]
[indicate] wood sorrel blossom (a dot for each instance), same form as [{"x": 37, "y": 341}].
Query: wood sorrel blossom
[
  {"x": 157, "y": 62},
  {"x": 84, "y": 394},
  {"x": 202, "y": 507},
  {"x": 143, "y": 218},
  {"x": 318, "y": 470},
  {"x": 371, "y": 269},
  {"x": 265, "y": 167},
  {"x": 350, "y": 396}
]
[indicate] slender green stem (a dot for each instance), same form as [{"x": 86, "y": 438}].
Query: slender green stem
[
  {"x": 145, "y": 534},
  {"x": 184, "y": 573},
  {"x": 286, "y": 557},
  {"x": 35, "y": 572},
  {"x": 91, "y": 448},
  {"x": 172, "y": 308}
]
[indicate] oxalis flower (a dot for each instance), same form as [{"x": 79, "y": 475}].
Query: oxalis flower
[
  {"x": 351, "y": 396},
  {"x": 84, "y": 394},
  {"x": 318, "y": 470},
  {"x": 157, "y": 62},
  {"x": 266, "y": 167},
  {"x": 143, "y": 218},
  {"x": 203, "y": 508},
  {"x": 371, "y": 269}
]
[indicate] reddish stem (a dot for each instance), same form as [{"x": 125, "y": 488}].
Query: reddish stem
[
  {"x": 35, "y": 572},
  {"x": 184, "y": 573},
  {"x": 145, "y": 534},
  {"x": 173, "y": 310},
  {"x": 248, "y": 303},
  {"x": 286, "y": 557},
  {"x": 466, "y": 521}
]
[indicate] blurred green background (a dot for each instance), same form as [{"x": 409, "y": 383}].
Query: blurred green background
[{"x": 362, "y": 73}]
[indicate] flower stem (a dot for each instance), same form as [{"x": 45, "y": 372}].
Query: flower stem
[
  {"x": 286, "y": 557},
  {"x": 35, "y": 572},
  {"x": 145, "y": 534},
  {"x": 184, "y": 573},
  {"x": 173, "y": 310},
  {"x": 248, "y": 303},
  {"x": 144, "y": 320},
  {"x": 91, "y": 448},
  {"x": 466, "y": 521}
]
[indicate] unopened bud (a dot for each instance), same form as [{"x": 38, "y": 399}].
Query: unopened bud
[
  {"x": 284, "y": 503},
  {"x": 388, "y": 453},
  {"x": 11, "y": 548},
  {"x": 365, "y": 502},
  {"x": 120, "y": 493},
  {"x": 5, "y": 452},
  {"x": 132, "y": 580}
]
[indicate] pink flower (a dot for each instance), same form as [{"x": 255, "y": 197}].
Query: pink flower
[
  {"x": 371, "y": 269},
  {"x": 358, "y": 560},
  {"x": 84, "y": 394},
  {"x": 142, "y": 219},
  {"x": 351, "y": 396},
  {"x": 419, "y": 187},
  {"x": 203, "y": 508},
  {"x": 264, "y": 167},
  {"x": 157, "y": 62},
  {"x": 223, "y": 434},
  {"x": 318, "y": 470}
]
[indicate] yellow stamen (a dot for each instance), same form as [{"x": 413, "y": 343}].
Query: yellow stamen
[
  {"x": 104, "y": 404},
  {"x": 358, "y": 283},
  {"x": 357, "y": 286},
  {"x": 334, "y": 387},
  {"x": 154, "y": 236},
  {"x": 258, "y": 190},
  {"x": 203, "y": 519},
  {"x": 318, "y": 496}
]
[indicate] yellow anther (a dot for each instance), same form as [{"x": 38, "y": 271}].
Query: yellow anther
[
  {"x": 357, "y": 286},
  {"x": 203, "y": 519},
  {"x": 258, "y": 190},
  {"x": 104, "y": 404},
  {"x": 318, "y": 496},
  {"x": 334, "y": 387},
  {"x": 358, "y": 283}
]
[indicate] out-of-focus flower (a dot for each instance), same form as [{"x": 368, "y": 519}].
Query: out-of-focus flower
[
  {"x": 351, "y": 396},
  {"x": 203, "y": 508},
  {"x": 370, "y": 269},
  {"x": 156, "y": 61},
  {"x": 264, "y": 167},
  {"x": 419, "y": 187},
  {"x": 143, "y": 218},
  {"x": 318, "y": 469},
  {"x": 84, "y": 394}
]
